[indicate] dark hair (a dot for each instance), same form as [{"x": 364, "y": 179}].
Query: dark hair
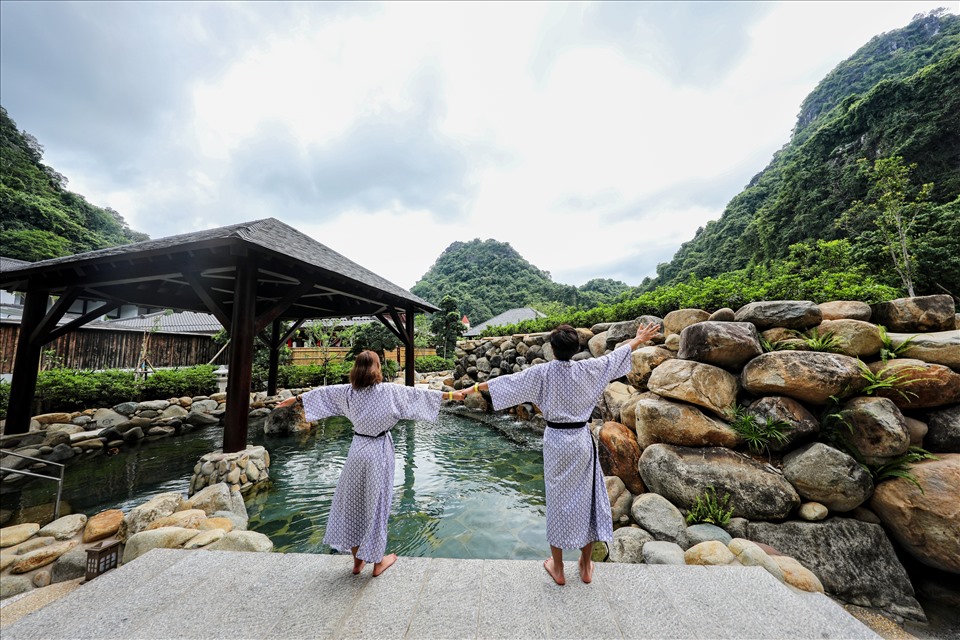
[
  {"x": 366, "y": 370},
  {"x": 565, "y": 342}
]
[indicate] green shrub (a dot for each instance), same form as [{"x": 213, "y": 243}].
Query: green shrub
[
  {"x": 390, "y": 369},
  {"x": 69, "y": 390},
  {"x": 4, "y": 398},
  {"x": 710, "y": 509},
  {"x": 297, "y": 376},
  {"x": 426, "y": 364},
  {"x": 170, "y": 383}
]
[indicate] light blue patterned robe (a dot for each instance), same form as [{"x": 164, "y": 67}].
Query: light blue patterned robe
[
  {"x": 364, "y": 493},
  {"x": 578, "y": 509}
]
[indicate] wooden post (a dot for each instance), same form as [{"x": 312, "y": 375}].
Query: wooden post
[
  {"x": 23, "y": 387},
  {"x": 242, "y": 327},
  {"x": 409, "y": 381},
  {"x": 275, "y": 345}
]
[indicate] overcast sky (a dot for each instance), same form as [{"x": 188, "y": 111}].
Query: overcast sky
[{"x": 595, "y": 138}]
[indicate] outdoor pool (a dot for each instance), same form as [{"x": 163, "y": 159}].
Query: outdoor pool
[{"x": 463, "y": 488}]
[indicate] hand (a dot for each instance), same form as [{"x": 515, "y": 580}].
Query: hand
[
  {"x": 286, "y": 403},
  {"x": 646, "y": 332},
  {"x": 455, "y": 395}
]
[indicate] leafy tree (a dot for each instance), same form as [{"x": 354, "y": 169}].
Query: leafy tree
[
  {"x": 894, "y": 209},
  {"x": 373, "y": 336},
  {"x": 447, "y": 326},
  {"x": 39, "y": 218}
]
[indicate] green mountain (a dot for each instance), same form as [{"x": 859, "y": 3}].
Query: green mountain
[
  {"x": 39, "y": 218},
  {"x": 488, "y": 277},
  {"x": 899, "y": 95}
]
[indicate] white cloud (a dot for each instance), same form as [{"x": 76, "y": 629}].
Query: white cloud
[{"x": 595, "y": 138}]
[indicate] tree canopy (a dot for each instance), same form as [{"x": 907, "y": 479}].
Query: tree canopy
[{"x": 39, "y": 217}]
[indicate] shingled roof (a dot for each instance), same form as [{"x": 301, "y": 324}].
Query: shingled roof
[
  {"x": 162, "y": 272},
  {"x": 510, "y": 316}
]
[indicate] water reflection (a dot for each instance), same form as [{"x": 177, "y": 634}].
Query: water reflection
[{"x": 461, "y": 488}]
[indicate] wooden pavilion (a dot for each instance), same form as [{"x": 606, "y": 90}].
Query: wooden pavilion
[{"x": 251, "y": 276}]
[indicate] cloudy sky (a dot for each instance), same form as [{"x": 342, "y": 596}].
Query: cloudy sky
[{"x": 595, "y": 137}]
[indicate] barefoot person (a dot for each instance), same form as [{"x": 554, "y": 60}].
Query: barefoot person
[
  {"x": 578, "y": 510},
  {"x": 361, "y": 502}
]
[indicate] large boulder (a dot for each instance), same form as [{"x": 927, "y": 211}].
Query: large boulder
[
  {"x": 620, "y": 499},
  {"x": 102, "y": 525},
  {"x": 657, "y": 515},
  {"x": 845, "y": 309},
  {"x": 627, "y": 545},
  {"x": 619, "y": 454},
  {"x": 242, "y": 541},
  {"x": 41, "y": 557},
  {"x": 878, "y": 429},
  {"x": 662, "y": 420},
  {"x": 645, "y": 360},
  {"x": 920, "y": 385},
  {"x": 943, "y": 430},
  {"x": 827, "y": 475},
  {"x": 620, "y": 331},
  {"x": 682, "y": 474},
  {"x": 919, "y": 314},
  {"x": 803, "y": 426},
  {"x": 854, "y": 338},
  {"x": 65, "y": 527},
  {"x": 140, "y": 517},
  {"x": 806, "y": 376},
  {"x": 677, "y": 321},
  {"x": 162, "y": 538},
  {"x": 285, "y": 420},
  {"x": 701, "y": 384},
  {"x": 854, "y": 560},
  {"x": 615, "y": 396},
  {"x": 723, "y": 344},
  {"x": 925, "y": 522},
  {"x": 790, "y": 314},
  {"x": 598, "y": 344},
  {"x": 941, "y": 347}
]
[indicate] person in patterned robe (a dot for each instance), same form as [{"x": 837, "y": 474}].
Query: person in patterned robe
[
  {"x": 578, "y": 509},
  {"x": 361, "y": 502}
]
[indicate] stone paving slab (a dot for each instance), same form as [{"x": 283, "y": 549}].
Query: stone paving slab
[{"x": 217, "y": 594}]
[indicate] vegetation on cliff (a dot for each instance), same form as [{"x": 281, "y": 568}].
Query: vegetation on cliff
[{"x": 39, "y": 217}]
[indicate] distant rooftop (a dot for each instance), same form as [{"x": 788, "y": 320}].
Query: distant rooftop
[{"x": 511, "y": 316}]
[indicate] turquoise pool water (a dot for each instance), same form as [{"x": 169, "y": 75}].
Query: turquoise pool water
[{"x": 462, "y": 488}]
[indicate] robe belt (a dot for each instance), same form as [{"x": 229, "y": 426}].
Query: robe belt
[
  {"x": 565, "y": 425},
  {"x": 593, "y": 490},
  {"x": 379, "y": 435}
]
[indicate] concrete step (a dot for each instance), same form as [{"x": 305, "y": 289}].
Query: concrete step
[{"x": 214, "y": 594}]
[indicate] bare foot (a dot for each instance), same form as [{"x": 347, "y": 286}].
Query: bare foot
[
  {"x": 586, "y": 571},
  {"x": 384, "y": 564},
  {"x": 358, "y": 565},
  {"x": 556, "y": 575}
]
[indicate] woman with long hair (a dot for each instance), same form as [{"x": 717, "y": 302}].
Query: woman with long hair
[
  {"x": 578, "y": 510},
  {"x": 364, "y": 493}
]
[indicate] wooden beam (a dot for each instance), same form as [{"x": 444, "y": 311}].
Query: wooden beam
[
  {"x": 411, "y": 351},
  {"x": 79, "y": 322},
  {"x": 241, "y": 358},
  {"x": 292, "y": 330},
  {"x": 274, "y": 359},
  {"x": 393, "y": 330},
  {"x": 53, "y": 316},
  {"x": 274, "y": 312},
  {"x": 26, "y": 365},
  {"x": 201, "y": 290}
]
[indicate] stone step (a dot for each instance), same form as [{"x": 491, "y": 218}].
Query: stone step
[{"x": 202, "y": 594}]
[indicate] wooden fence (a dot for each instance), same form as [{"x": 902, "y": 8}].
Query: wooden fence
[
  {"x": 317, "y": 355},
  {"x": 112, "y": 349}
]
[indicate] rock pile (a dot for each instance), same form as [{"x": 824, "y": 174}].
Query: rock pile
[
  {"x": 849, "y": 400},
  {"x": 32, "y": 556}
]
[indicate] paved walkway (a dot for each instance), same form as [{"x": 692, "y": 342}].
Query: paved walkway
[{"x": 212, "y": 594}]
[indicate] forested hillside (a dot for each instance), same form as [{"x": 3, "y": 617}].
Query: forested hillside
[
  {"x": 39, "y": 218},
  {"x": 899, "y": 95},
  {"x": 489, "y": 277}
]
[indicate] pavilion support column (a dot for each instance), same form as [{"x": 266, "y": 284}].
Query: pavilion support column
[
  {"x": 275, "y": 346},
  {"x": 242, "y": 327},
  {"x": 408, "y": 334},
  {"x": 26, "y": 364}
]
